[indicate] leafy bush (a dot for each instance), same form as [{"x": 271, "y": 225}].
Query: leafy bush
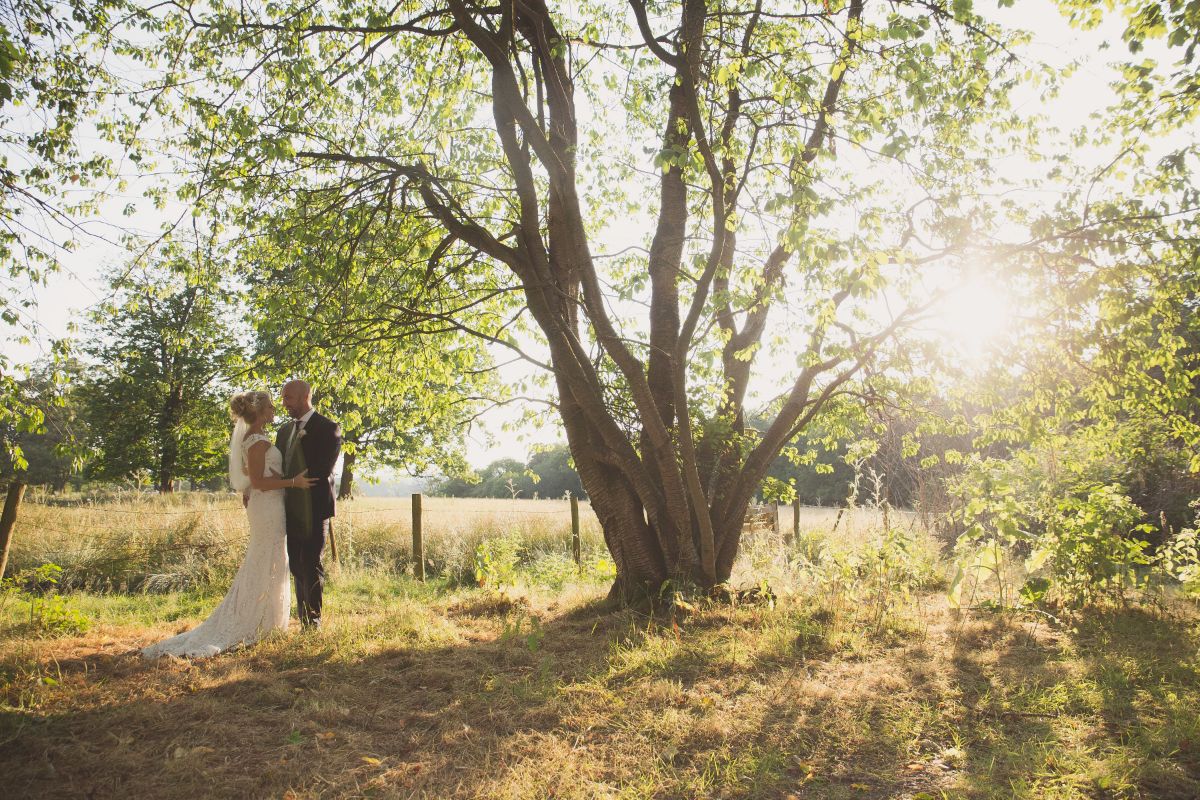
[
  {"x": 496, "y": 561},
  {"x": 1088, "y": 539},
  {"x": 49, "y": 611},
  {"x": 1091, "y": 547},
  {"x": 1179, "y": 558}
]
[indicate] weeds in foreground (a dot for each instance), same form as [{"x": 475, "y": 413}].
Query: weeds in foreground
[{"x": 49, "y": 612}]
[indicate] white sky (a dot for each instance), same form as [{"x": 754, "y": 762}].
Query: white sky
[{"x": 79, "y": 286}]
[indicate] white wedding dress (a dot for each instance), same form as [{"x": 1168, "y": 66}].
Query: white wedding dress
[{"x": 258, "y": 602}]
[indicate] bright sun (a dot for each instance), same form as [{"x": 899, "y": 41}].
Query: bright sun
[{"x": 972, "y": 319}]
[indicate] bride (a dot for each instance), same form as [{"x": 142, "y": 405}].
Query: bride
[{"x": 258, "y": 600}]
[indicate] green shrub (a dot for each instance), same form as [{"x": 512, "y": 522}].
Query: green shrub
[
  {"x": 1179, "y": 558},
  {"x": 1091, "y": 546},
  {"x": 496, "y": 561},
  {"x": 49, "y": 612}
]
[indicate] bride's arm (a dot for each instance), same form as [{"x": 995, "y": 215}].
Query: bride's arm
[{"x": 256, "y": 462}]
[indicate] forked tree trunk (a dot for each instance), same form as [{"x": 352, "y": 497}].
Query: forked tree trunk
[
  {"x": 671, "y": 499},
  {"x": 662, "y": 520}
]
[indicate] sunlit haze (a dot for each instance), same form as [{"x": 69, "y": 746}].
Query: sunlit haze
[{"x": 971, "y": 319}]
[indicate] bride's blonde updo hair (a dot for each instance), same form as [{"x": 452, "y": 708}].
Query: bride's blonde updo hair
[{"x": 248, "y": 405}]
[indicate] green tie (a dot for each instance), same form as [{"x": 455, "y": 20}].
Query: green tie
[{"x": 291, "y": 445}]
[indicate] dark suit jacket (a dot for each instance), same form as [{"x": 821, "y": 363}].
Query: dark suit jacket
[{"x": 320, "y": 445}]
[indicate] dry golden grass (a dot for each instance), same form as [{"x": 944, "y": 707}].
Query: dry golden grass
[
  {"x": 135, "y": 542},
  {"x": 424, "y": 692},
  {"x": 847, "y": 688}
]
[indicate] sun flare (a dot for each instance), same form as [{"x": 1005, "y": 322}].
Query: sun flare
[{"x": 972, "y": 319}]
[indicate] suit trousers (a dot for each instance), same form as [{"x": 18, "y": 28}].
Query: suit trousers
[{"x": 304, "y": 548}]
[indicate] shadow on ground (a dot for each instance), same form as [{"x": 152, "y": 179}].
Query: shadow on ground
[{"x": 590, "y": 704}]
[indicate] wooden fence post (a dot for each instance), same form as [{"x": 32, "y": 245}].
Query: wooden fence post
[
  {"x": 576, "y": 544},
  {"x": 796, "y": 521},
  {"x": 332, "y": 541},
  {"x": 418, "y": 548},
  {"x": 775, "y": 518},
  {"x": 12, "y": 501}
]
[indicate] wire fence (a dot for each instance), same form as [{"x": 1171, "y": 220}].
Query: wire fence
[
  {"x": 132, "y": 540},
  {"x": 141, "y": 531},
  {"x": 119, "y": 545}
]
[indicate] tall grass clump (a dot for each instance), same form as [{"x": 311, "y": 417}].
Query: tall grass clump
[{"x": 125, "y": 541}]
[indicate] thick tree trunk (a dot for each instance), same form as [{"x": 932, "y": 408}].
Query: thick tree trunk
[
  {"x": 8, "y": 520},
  {"x": 636, "y": 551},
  {"x": 346, "y": 484},
  {"x": 168, "y": 438}
]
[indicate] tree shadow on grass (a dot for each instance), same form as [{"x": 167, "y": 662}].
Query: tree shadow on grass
[
  {"x": 907, "y": 722},
  {"x": 295, "y": 716},
  {"x": 1111, "y": 713},
  {"x": 1146, "y": 668},
  {"x": 588, "y": 704}
]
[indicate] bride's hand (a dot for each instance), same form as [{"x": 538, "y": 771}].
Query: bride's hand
[{"x": 302, "y": 481}]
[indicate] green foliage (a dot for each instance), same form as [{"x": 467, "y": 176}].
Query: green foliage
[
  {"x": 874, "y": 582},
  {"x": 526, "y": 629},
  {"x": 496, "y": 561},
  {"x": 985, "y": 560},
  {"x": 1179, "y": 558},
  {"x": 549, "y": 474},
  {"x": 167, "y": 349},
  {"x": 50, "y": 452},
  {"x": 402, "y": 387},
  {"x": 894, "y": 569},
  {"x": 1091, "y": 546},
  {"x": 53, "y": 81},
  {"x": 50, "y": 613},
  {"x": 1089, "y": 539}
]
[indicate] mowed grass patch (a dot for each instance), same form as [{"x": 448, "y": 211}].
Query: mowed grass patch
[{"x": 432, "y": 690}]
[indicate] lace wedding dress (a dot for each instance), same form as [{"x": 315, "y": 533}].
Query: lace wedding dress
[{"x": 259, "y": 599}]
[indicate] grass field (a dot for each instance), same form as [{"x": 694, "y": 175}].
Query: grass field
[{"x": 859, "y": 682}]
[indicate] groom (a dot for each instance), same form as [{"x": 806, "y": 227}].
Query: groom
[{"x": 310, "y": 441}]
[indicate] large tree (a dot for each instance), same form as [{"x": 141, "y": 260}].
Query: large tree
[
  {"x": 52, "y": 80},
  {"x": 165, "y": 349},
  {"x": 620, "y": 193}
]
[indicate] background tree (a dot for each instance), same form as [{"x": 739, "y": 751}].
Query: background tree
[
  {"x": 547, "y": 473},
  {"x": 757, "y": 120},
  {"x": 497, "y": 479},
  {"x": 164, "y": 349},
  {"x": 51, "y": 454},
  {"x": 555, "y": 474},
  {"x": 403, "y": 400},
  {"x": 52, "y": 81}
]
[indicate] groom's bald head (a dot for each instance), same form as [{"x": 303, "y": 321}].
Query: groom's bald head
[{"x": 297, "y": 398}]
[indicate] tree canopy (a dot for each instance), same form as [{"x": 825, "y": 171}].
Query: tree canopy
[
  {"x": 688, "y": 216},
  {"x": 620, "y": 193}
]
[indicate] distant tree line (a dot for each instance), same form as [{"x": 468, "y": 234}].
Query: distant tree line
[{"x": 548, "y": 473}]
